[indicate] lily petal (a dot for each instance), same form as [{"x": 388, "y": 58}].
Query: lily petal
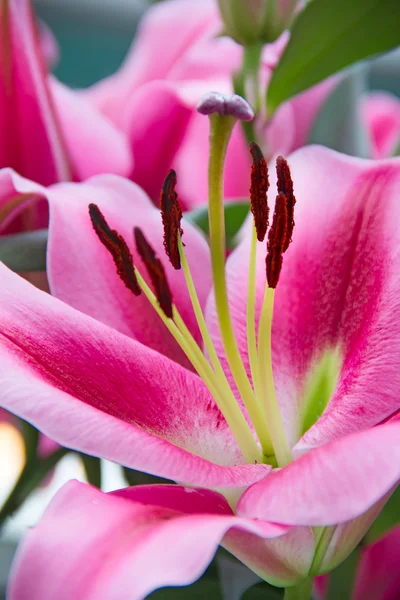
[
  {"x": 31, "y": 140},
  {"x": 130, "y": 531},
  {"x": 157, "y": 120},
  {"x": 18, "y": 194},
  {"x": 331, "y": 484},
  {"x": 381, "y": 114},
  {"x": 378, "y": 576},
  {"x": 94, "y": 144},
  {"x": 82, "y": 273},
  {"x": 93, "y": 389}
]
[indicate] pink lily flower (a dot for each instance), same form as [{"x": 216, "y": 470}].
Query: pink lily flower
[
  {"x": 95, "y": 370},
  {"x": 178, "y": 55},
  {"x": 377, "y": 576},
  {"x": 50, "y": 133}
]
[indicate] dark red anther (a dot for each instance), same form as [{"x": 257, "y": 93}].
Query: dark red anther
[
  {"x": 277, "y": 236},
  {"x": 156, "y": 272},
  {"x": 285, "y": 185},
  {"x": 118, "y": 248},
  {"x": 258, "y": 191},
  {"x": 171, "y": 214}
]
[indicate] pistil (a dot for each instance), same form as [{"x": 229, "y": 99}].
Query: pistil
[
  {"x": 259, "y": 207},
  {"x": 221, "y": 126}
]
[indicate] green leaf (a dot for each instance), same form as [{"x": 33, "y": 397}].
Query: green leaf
[
  {"x": 92, "y": 467},
  {"x": 235, "y": 214},
  {"x": 31, "y": 440},
  {"x": 206, "y": 587},
  {"x": 263, "y": 591},
  {"x": 329, "y": 35},
  {"x": 341, "y": 580},
  {"x": 24, "y": 251}
]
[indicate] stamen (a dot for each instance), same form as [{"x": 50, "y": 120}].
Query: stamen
[
  {"x": 231, "y": 411},
  {"x": 171, "y": 214},
  {"x": 277, "y": 237},
  {"x": 285, "y": 185},
  {"x": 118, "y": 248},
  {"x": 156, "y": 271},
  {"x": 269, "y": 400},
  {"x": 258, "y": 191},
  {"x": 250, "y": 317}
]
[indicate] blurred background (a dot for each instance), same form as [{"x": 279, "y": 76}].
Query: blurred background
[{"x": 96, "y": 34}]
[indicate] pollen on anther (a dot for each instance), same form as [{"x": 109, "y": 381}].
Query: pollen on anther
[
  {"x": 156, "y": 272},
  {"x": 285, "y": 185},
  {"x": 118, "y": 248},
  {"x": 171, "y": 214},
  {"x": 277, "y": 236},
  {"x": 258, "y": 191}
]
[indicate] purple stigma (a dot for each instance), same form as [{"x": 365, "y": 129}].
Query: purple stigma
[{"x": 225, "y": 105}]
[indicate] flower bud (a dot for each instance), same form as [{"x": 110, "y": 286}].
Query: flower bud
[{"x": 252, "y": 21}]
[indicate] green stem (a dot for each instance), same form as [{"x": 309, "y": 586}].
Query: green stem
[
  {"x": 301, "y": 591},
  {"x": 251, "y": 68},
  {"x": 221, "y": 129},
  {"x": 34, "y": 472},
  {"x": 247, "y": 80}
]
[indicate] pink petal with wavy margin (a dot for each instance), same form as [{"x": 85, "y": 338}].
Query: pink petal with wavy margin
[
  {"x": 93, "y": 389},
  {"x": 331, "y": 484},
  {"x": 125, "y": 548}
]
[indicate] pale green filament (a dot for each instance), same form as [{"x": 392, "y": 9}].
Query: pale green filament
[
  {"x": 221, "y": 129},
  {"x": 198, "y": 312},
  {"x": 269, "y": 400},
  {"x": 250, "y": 320},
  {"x": 230, "y": 410}
]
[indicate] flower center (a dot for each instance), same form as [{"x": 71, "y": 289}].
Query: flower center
[{"x": 256, "y": 390}]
